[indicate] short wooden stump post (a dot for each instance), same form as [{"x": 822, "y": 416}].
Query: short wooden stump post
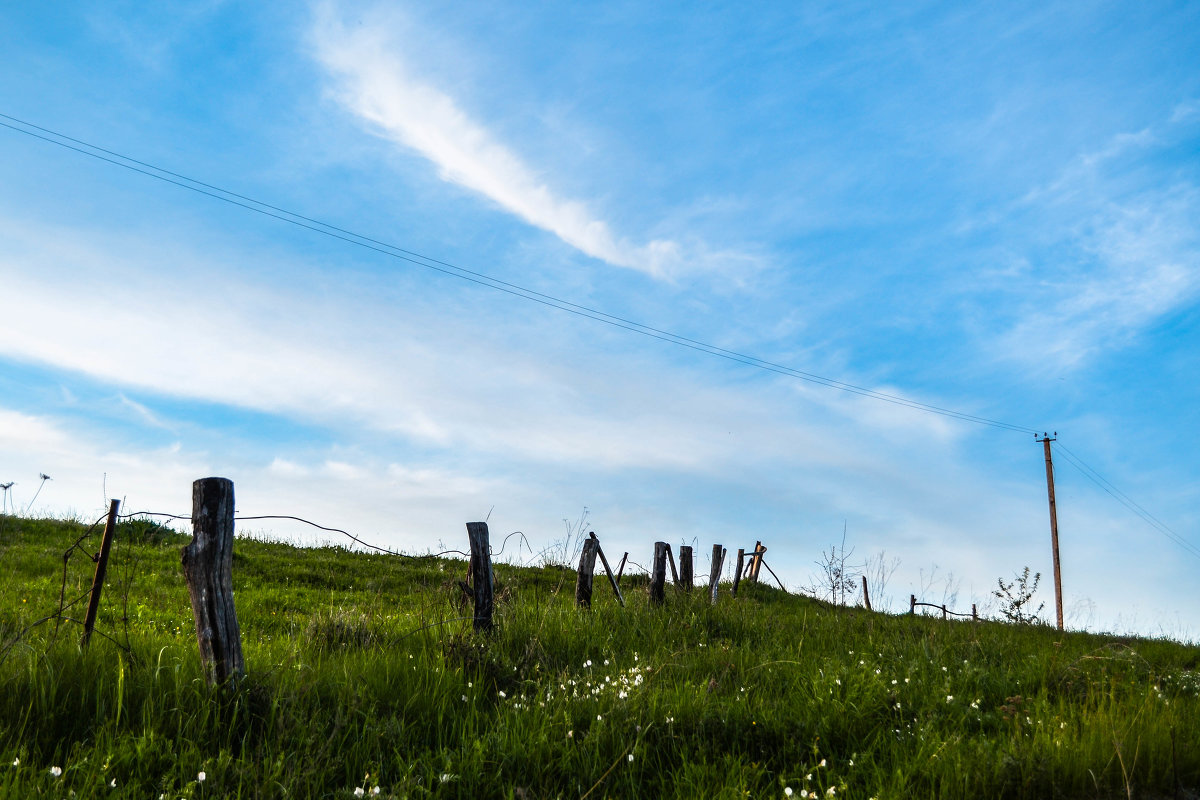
[
  {"x": 658, "y": 575},
  {"x": 208, "y": 569},
  {"x": 587, "y": 570},
  {"x": 714, "y": 577},
  {"x": 481, "y": 575},
  {"x": 685, "y": 567}
]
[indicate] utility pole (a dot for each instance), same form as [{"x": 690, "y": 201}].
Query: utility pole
[{"x": 1058, "y": 605}]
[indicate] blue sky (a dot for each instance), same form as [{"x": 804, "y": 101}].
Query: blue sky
[{"x": 982, "y": 208}]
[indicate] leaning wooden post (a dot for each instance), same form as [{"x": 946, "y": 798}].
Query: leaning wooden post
[
  {"x": 714, "y": 575},
  {"x": 587, "y": 569},
  {"x": 912, "y": 604},
  {"x": 737, "y": 574},
  {"x": 866, "y": 595},
  {"x": 685, "y": 567},
  {"x": 671, "y": 564},
  {"x": 658, "y": 576},
  {"x": 621, "y": 568},
  {"x": 110, "y": 528},
  {"x": 481, "y": 580},
  {"x": 608, "y": 570},
  {"x": 208, "y": 569},
  {"x": 974, "y": 614}
]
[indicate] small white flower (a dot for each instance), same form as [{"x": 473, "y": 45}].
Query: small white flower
[
  {"x": 629, "y": 757},
  {"x": 808, "y": 777},
  {"x": 375, "y": 792},
  {"x": 804, "y": 792},
  {"x": 112, "y": 784},
  {"x": 358, "y": 791},
  {"x": 598, "y": 718},
  {"x": 570, "y": 734},
  {"x": 822, "y": 763},
  {"x": 949, "y": 698},
  {"x": 503, "y": 695},
  {"x": 787, "y": 791},
  {"x": 16, "y": 762},
  {"x": 200, "y": 776},
  {"x": 56, "y": 771},
  {"x": 831, "y": 791},
  {"x": 464, "y": 698}
]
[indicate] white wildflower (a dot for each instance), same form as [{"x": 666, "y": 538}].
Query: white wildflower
[
  {"x": 831, "y": 791},
  {"x": 787, "y": 791},
  {"x": 629, "y": 757},
  {"x": 56, "y": 771},
  {"x": 949, "y": 698},
  {"x": 200, "y": 776},
  {"x": 358, "y": 791},
  {"x": 16, "y": 762}
]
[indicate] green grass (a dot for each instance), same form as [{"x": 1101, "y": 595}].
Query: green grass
[{"x": 362, "y": 672}]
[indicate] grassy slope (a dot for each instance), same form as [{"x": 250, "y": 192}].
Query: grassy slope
[{"x": 348, "y": 678}]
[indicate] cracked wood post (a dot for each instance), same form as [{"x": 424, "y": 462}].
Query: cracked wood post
[
  {"x": 714, "y": 577},
  {"x": 658, "y": 576},
  {"x": 110, "y": 528},
  {"x": 912, "y": 604},
  {"x": 737, "y": 574},
  {"x": 866, "y": 595},
  {"x": 208, "y": 569},
  {"x": 685, "y": 567},
  {"x": 481, "y": 579},
  {"x": 608, "y": 570},
  {"x": 587, "y": 570}
]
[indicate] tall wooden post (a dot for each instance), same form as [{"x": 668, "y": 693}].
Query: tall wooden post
[
  {"x": 685, "y": 567},
  {"x": 658, "y": 574},
  {"x": 912, "y": 604},
  {"x": 737, "y": 573},
  {"x": 866, "y": 595},
  {"x": 1058, "y": 604},
  {"x": 208, "y": 569},
  {"x": 587, "y": 570},
  {"x": 481, "y": 579},
  {"x": 110, "y": 528},
  {"x": 714, "y": 576}
]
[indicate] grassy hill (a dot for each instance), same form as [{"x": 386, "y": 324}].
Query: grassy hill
[{"x": 365, "y": 680}]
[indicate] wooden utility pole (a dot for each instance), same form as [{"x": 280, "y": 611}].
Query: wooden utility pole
[{"x": 1058, "y": 605}]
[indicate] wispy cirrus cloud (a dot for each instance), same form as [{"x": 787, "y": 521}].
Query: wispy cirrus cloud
[
  {"x": 1129, "y": 252},
  {"x": 372, "y": 79}
]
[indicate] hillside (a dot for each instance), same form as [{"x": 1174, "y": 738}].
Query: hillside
[{"x": 365, "y": 680}]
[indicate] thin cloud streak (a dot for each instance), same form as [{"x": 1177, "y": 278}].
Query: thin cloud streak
[{"x": 374, "y": 83}]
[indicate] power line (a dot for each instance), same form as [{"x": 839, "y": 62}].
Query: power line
[
  {"x": 1125, "y": 500},
  {"x": 479, "y": 278}
]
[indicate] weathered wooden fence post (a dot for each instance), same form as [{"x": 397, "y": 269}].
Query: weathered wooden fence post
[
  {"x": 737, "y": 574},
  {"x": 481, "y": 579},
  {"x": 621, "y": 568},
  {"x": 671, "y": 564},
  {"x": 685, "y": 567},
  {"x": 912, "y": 604},
  {"x": 756, "y": 561},
  {"x": 658, "y": 575},
  {"x": 866, "y": 595},
  {"x": 608, "y": 570},
  {"x": 943, "y": 612},
  {"x": 208, "y": 569},
  {"x": 110, "y": 528},
  {"x": 714, "y": 576},
  {"x": 587, "y": 570},
  {"x": 974, "y": 614}
]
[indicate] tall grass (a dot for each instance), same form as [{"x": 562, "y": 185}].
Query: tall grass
[{"x": 363, "y": 674}]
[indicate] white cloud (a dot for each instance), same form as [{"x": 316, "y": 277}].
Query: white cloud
[{"x": 375, "y": 83}]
